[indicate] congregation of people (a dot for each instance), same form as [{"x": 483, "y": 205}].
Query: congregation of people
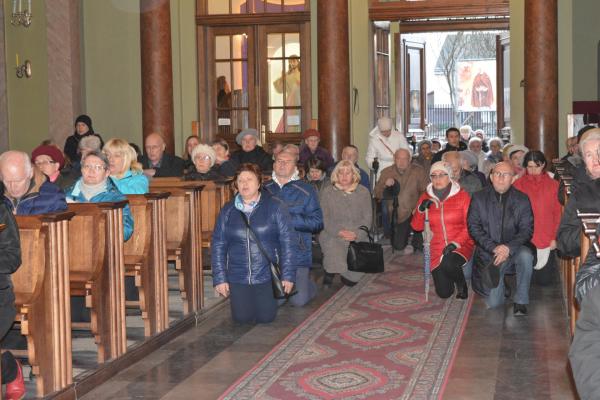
[{"x": 489, "y": 212}]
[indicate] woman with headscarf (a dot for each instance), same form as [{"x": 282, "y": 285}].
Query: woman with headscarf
[
  {"x": 125, "y": 170},
  {"x": 451, "y": 244},
  {"x": 83, "y": 128}
]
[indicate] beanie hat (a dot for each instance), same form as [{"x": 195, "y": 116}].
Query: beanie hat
[
  {"x": 384, "y": 124},
  {"x": 86, "y": 120},
  {"x": 311, "y": 132},
  {"x": 51, "y": 151},
  {"x": 246, "y": 132},
  {"x": 441, "y": 166}
]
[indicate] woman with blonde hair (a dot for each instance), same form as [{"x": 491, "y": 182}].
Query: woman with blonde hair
[
  {"x": 125, "y": 170},
  {"x": 346, "y": 206}
]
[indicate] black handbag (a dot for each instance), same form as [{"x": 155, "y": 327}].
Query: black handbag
[
  {"x": 365, "y": 257},
  {"x": 276, "y": 284}
]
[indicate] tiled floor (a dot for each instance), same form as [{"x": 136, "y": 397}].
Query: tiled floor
[{"x": 500, "y": 357}]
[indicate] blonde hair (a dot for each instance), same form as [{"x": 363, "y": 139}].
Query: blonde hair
[
  {"x": 345, "y": 164},
  {"x": 128, "y": 152}
]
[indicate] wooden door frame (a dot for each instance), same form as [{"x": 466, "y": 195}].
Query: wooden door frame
[
  {"x": 403, "y": 95},
  {"x": 501, "y": 43}
]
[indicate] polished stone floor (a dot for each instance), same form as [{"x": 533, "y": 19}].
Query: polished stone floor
[{"x": 500, "y": 356}]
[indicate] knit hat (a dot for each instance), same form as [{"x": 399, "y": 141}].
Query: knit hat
[
  {"x": 441, "y": 166},
  {"x": 246, "y": 132},
  {"x": 311, "y": 132},
  {"x": 86, "y": 120},
  {"x": 51, "y": 151},
  {"x": 384, "y": 124},
  {"x": 517, "y": 147}
]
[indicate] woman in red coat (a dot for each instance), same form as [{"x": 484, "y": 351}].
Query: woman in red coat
[
  {"x": 542, "y": 191},
  {"x": 451, "y": 245}
]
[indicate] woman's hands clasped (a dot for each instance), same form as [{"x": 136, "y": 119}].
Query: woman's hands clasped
[
  {"x": 222, "y": 289},
  {"x": 347, "y": 235}
]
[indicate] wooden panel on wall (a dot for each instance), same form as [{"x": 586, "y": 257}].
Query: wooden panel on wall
[{"x": 387, "y": 10}]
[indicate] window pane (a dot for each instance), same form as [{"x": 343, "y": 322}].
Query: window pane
[
  {"x": 292, "y": 120},
  {"x": 222, "y": 48},
  {"x": 238, "y": 7},
  {"x": 240, "y": 46},
  {"x": 218, "y": 6},
  {"x": 292, "y": 83},
  {"x": 240, "y": 84},
  {"x": 276, "y": 91},
  {"x": 274, "y": 43},
  {"x": 292, "y": 44},
  {"x": 293, "y": 5},
  {"x": 239, "y": 121},
  {"x": 276, "y": 123}
]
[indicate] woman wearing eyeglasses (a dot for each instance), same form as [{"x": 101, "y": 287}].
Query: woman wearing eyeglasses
[
  {"x": 49, "y": 160},
  {"x": 204, "y": 168},
  {"x": 94, "y": 186},
  {"x": 125, "y": 170},
  {"x": 451, "y": 245}
]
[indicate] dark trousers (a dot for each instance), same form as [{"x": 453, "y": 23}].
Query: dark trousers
[
  {"x": 449, "y": 273},
  {"x": 252, "y": 303},
  {"x": 7, "y": 318},
  {"x": 401, "y": 234}
]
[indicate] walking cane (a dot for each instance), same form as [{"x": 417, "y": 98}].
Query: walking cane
[
  {"x": 427, "y": 235},
  {"x": 374, "y": 169}
]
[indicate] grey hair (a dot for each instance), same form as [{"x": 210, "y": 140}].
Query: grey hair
[
  {"x": 291, "y": 149},
  {"x": 91, "y": 142},
  {"x": 204, "y": 149},
  {"x": 24, "y": 156},
  {"x": 96, "y": 153},
  {"x": 588, "y": 138},
  {"x": 495, "y": 139},
  {"x": 406, "y": 150}
]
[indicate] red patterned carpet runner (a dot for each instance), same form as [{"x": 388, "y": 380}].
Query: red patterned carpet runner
[{"x": 376, "y": 340}]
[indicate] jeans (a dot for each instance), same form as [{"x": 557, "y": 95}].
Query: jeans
[
  {"x": 252, "y": 303},
  {"x": 305, "y": 287},
  {"x": 521, "y": 264}
]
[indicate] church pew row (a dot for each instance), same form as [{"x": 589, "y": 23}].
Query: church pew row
[{"x": 41, "y": 286}]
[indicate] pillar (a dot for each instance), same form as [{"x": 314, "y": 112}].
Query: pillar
[
  {"x": 541, "y": 76},
  {"x": 157, "y": 77},
  {"x": 334, "y": 75}
]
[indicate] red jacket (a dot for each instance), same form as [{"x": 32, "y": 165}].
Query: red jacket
[
  {"x": 448, "y": 222},
  {"x": 542, "y": 191}
]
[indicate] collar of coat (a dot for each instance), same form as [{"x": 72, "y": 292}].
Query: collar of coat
[{"x": 453, "y": 191}]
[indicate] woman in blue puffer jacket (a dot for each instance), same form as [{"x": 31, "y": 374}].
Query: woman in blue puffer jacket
[{"x": 239, "y": 267}]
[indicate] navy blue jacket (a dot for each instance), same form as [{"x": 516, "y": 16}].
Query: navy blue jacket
[
  {"x": 45, "y": 198},
  {"x": 235, "y": 257},
  {"x": 307, "y": 218}
]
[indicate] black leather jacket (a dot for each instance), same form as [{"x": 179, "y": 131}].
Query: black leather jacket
[{"x": 10, "y": 252}]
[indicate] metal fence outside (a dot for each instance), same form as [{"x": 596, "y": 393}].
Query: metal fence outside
[{"x": 442, "y": 117}]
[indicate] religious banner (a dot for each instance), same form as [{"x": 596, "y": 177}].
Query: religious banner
[{"x": 476, "y": 85}]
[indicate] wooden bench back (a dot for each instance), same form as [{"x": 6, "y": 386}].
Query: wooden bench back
[
  {"x": 87, "y": 242},
  {"x": 28, "y": 279}
]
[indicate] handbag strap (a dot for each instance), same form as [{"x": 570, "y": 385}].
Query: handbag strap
[
  {"x": 366, "y": 229},
  {"x": 258, "y": 243}
]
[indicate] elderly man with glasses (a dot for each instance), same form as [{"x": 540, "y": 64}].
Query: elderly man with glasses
[{"x": 500, "y": 220}]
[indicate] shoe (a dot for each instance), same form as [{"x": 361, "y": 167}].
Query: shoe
[
  {"x": 519, "y": 310},
  {"x": 15, "y": 390},
  {"x": 408, "y": 250},
  {"x": 348, "y": 282},
  {"x": 328, "y": 279},
  {"x": 463, "y": 292}
]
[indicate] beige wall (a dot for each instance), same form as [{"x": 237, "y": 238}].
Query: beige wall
[
  {"x": 586, "y": 35},
  {"x": 517, "y": 70},
  {"x": 113, "y": 92},
  {"x": 27, "y": 98},
  {"x": 565, "y": 69}
]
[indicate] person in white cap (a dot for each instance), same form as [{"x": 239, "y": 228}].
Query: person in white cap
[
  {"x": 251, "y": 152},
  {"x": 516, "y": 155},
  {"x": 384, "y": 140}
]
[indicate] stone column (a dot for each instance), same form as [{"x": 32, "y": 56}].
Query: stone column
[
  {"x": 334, "y": 75},
  {"x": 157, "y": 77},
  {"x": 541, "y": 76}
]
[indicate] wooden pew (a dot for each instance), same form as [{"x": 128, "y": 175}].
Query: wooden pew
[
  {"x": 98, "y": 271},
  {"x": 41, "y": 286},
  {"x": 184, "y": 236},
  {"x": 145, "y": 256}
]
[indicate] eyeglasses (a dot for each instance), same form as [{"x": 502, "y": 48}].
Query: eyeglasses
[
  {"x": 202, "y": 157},
  {"x": 96, "y": 168},
  {"x": 437, "y": 176},
  {"x": 502, "y": 174},
  {"x": 284, "y": 162},
  {"x": 42, "y": 163}
]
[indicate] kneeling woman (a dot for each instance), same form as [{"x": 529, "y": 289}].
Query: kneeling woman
[
  {"x": 451, "y": 245},
  {"x": 240, "y": 268}
]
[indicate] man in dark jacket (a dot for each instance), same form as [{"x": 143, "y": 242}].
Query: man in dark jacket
[
  {"x": 454, "y": 144},
  {"x": 26, "y": 190},
  {"x": 500, "y": 221},
  {"x": 251, "y": 152},
  {"x": 156, "y": 162},
  {"x": 584, "y": 197},
  {"x": 307, "y": 218},
  {"x": 10, "y": 260}
]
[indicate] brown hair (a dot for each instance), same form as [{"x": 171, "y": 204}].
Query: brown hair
[{"x": 248, "y": 167}]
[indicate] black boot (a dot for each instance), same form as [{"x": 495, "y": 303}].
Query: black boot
[
  {"x": 462, "y": 291},
  {"x": 328, "y": 279}
]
